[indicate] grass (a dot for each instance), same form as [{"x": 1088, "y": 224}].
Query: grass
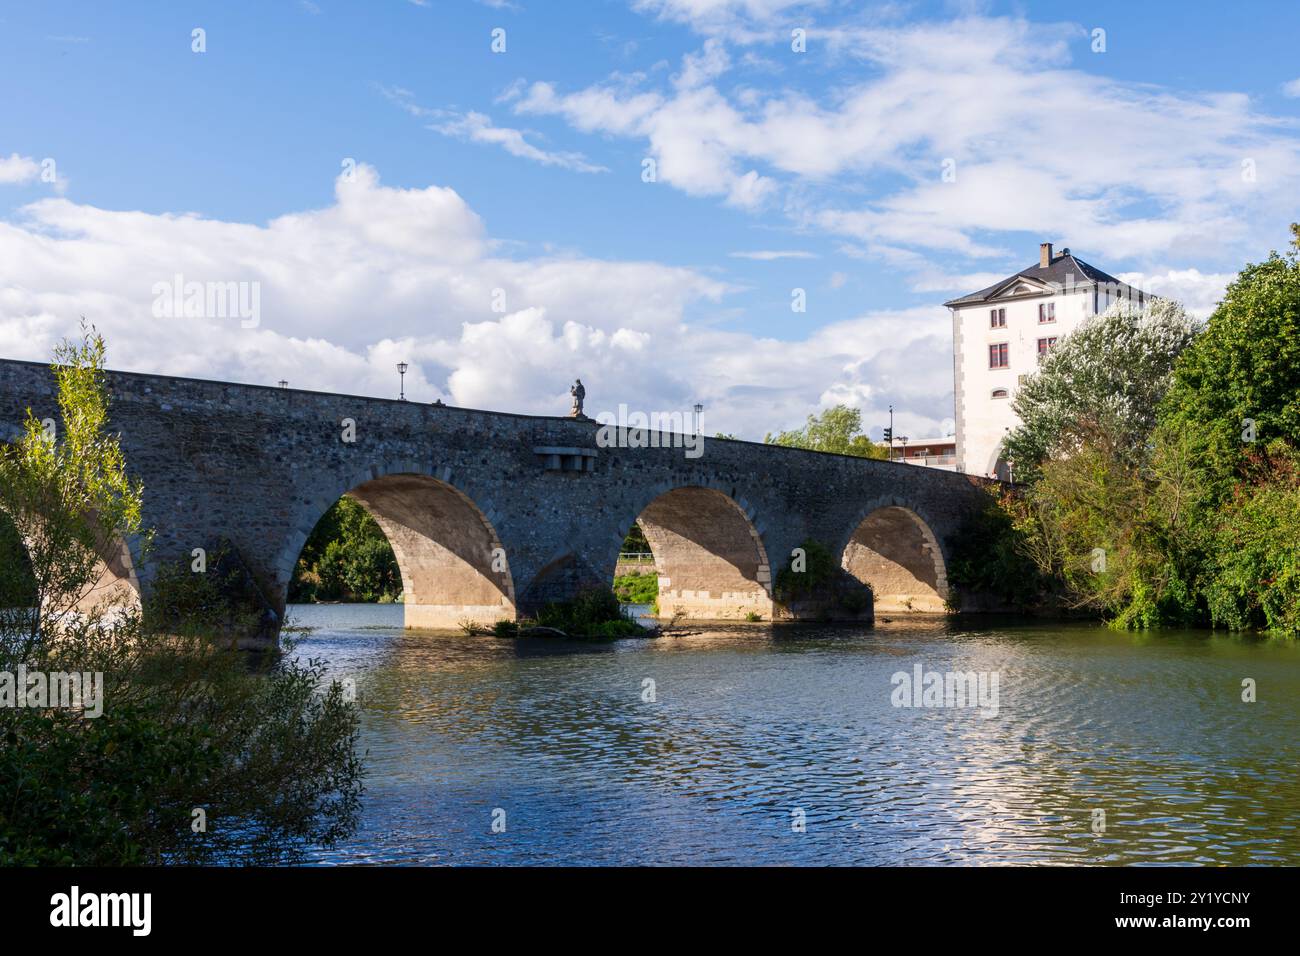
[{"x": 637, "y": 587}]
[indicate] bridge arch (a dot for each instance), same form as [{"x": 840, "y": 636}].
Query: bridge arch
[
  {"x": 891, "y": 547},
  {"x": 453, "y": 565},
  {"x": 708, "y": 552}
]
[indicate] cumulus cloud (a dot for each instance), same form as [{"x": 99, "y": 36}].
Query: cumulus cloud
[
  {"x": 951, "y": 136},
  {"x": 385, "y": 274},
  {"x": 18, "y": 169}
]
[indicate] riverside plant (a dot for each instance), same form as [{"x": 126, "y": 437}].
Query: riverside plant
[{"x": 201, "y": 755}]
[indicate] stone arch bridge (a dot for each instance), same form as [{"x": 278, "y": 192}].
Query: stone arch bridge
[{"x": 492, "y": 514}]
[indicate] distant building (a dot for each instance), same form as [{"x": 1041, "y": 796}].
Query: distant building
[
  {"x": 999, "y": 334},
  {"x": 929, "y": 452}
]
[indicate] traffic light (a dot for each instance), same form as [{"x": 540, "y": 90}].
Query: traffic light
[{"x": 889, "y": 435}]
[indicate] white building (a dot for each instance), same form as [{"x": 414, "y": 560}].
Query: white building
[
  {"x": 998, "y": 335},
  {"x": 937, "y": 452}
]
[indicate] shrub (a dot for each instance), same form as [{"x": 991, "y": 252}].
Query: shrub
[{"x": 267, "y": 749}]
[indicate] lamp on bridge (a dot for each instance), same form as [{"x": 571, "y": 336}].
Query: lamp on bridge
[
  {"x": 283, "y": 383},
  {"x": 401, "y": 370},
  {"x": 698, "y": 408}
]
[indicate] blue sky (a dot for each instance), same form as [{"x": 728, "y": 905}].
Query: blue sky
[{"x": 522, "y": 171}]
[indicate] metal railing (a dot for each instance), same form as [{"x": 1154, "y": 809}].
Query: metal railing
[{"x": 933, "y": 461}]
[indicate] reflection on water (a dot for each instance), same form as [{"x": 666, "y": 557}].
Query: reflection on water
[{"x": 751, "y": 723}]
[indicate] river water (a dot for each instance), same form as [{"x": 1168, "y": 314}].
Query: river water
[{"x": 770, "y": 745}]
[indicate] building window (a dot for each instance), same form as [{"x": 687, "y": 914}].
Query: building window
[
  {"x": 999, "y": 393},
  {"x": 998, "y": 356},
  {"x": 997, "y": 318},
  {"x": 1045, "y": 346},
  {"x": 1047, "y": 312}
]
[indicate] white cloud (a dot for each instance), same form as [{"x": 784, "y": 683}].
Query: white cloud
[
  {"x": 1291, "y": 89},
  {"x": 739, "y": 19},
  {"x": 767, "y": 255},
  {"x": 18, "y": 169},
  {"x": 1199, "y": 292},
  {"x": 384, "y": 275},
  {"x": 1120, "y": 169},
  {"x": 479, "y": 128}
]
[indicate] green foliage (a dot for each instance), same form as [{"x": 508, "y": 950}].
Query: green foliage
[
  {"x": 17, "y": 585},
  {"x": 1253, "y": 579},
  {"x": 593, "y": 613},
  {"x": 821, "y": 580},
  {"x": 67, "y": 495},
  {"x": 268, "y": 752},
  {"x": 222, "y": 600},
  {"x": 1106, "y": 377},
  {"x": 1246, "y": 366},
  {"x": 346, "y": 558},
  {"x": 1118, "y": 536},
  {"x": 819, "y": 572},
  {"x": 837, "y": 430},
  {"x": 989, "y": 555},
  {"x": 635, "y": 542},
  {"x": 637, "y": 588}
]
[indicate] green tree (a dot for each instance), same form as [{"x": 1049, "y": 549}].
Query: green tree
[
  {"x": 1107, "y": 378},
  {"x": 1253, "y": 575},
  {"x": 267, "y": 753},
  {"x": 837, "y": 430},
  {"x": 1238, "y": 388},
  {"x": 346, "y": 557}
]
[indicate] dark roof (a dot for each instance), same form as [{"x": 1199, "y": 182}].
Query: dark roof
[{"x": 1064, "y": 270}]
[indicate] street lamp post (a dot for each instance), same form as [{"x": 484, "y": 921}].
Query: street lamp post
[
  {"x": 283, "y": 383},
  {"x": 889, "y": 436},
  {"x": 698, "y": 408},
  {"x": 401, "y": 370}
]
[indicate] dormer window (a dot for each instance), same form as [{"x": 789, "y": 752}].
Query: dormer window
[
  {"x": 997, "y": 318},
  {"x": 1046, "y": 312}
]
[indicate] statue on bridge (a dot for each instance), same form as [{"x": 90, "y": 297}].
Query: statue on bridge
[{"x": 579, "y": 393}]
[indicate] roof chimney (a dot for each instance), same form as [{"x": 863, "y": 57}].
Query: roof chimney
[{"x": 1044, "y": 254}]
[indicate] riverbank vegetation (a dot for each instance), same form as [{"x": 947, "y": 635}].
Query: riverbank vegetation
[
  {"x": 1161, "y": 467},
  {"x": 638, "y": 587},
  {"x": 594, "y": 614},
  {"x": 175, "y": 749},
  {"x": 347, "y": 557}
]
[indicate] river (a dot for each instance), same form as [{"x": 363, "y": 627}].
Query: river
[{"x": 767, "y": 745}]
